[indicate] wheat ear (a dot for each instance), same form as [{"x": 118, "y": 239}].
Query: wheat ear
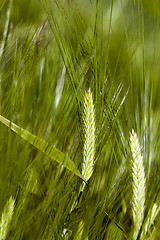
[
  {"x": 89, "y": 136},
  {"x": 152, "y": 214},
  {"x": 88, "y": 149},
  {"x": 138, "y": 184},
  {"x": 6, "y": 218}
]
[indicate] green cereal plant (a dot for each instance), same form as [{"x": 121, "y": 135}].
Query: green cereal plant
[
  {"x": 138, "y": 183},
  {"x": 89, "y": 129},
  {"x": 6, "y": 218},
  {"x": 88, "y": 147}
]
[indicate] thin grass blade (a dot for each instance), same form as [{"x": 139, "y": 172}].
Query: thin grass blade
[{"x": 43, "y": 146}]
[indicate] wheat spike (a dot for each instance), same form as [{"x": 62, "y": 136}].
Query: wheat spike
[
  {"x": 89, "y": 141},
  {"x": 138, "y": 183},
  {"x": 89, "y": 136},
  {"x": 152, "y": 214}
]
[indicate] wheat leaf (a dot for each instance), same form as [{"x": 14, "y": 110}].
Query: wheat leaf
[{"x": 43, "y": 146}]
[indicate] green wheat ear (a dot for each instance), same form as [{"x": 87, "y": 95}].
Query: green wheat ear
[
  {"x": 151, "y": 216},
  {"x": 138, "y": 183},
  {"x": 6, "y": 218},
  {"x": 89, "y": 136},
  {"x": 88, "y": 148}
]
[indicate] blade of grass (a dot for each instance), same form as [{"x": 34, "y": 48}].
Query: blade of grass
[{"x": 42, "y": 145}]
